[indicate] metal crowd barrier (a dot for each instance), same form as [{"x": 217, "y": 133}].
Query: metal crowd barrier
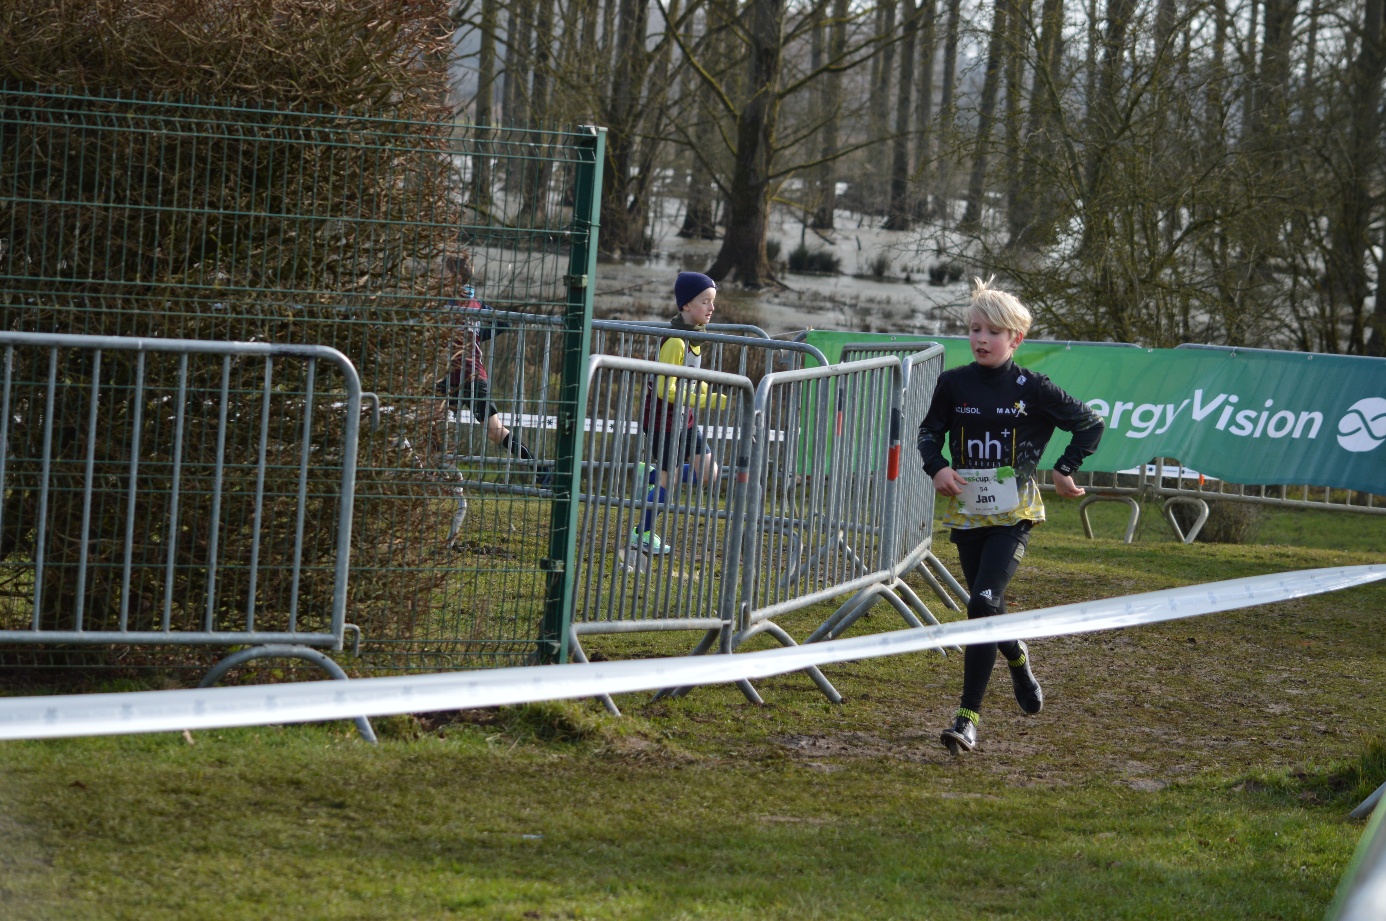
[
  {"x": 1168, "y": 482},
  {"x": 528, "y": 400},
  {"x": 622, "y": 588},
  {"x": 177, "y": 493},
  {"x": 812, "y": 507},
  {"x": 625, "y": 582},
  {"x": 913, "y": 540},
  {"x": 1361, "y": 892}
]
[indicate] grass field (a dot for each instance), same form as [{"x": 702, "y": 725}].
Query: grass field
[{"x": 1195, "y": 769}]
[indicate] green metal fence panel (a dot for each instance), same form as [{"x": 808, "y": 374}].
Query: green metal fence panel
[{"x": 188, "y": 219}]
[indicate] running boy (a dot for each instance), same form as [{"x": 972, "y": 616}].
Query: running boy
[
  {"x": 998, "y": 418},
  {"x": 467, "y": 382},
  {"x": 675, "y": 439}
]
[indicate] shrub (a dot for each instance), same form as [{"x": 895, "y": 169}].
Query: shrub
[
  {"x": 814, "y": 261},
  {"x": 196, "y": 242},
  {"x": 1228, "y": 522},
  {"x": 772, "y": 249}
]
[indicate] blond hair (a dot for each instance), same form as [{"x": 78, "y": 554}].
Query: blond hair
[{"x": 998, "y": 308}]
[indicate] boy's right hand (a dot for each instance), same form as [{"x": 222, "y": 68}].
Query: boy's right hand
[{"x": 949, "y": 482}]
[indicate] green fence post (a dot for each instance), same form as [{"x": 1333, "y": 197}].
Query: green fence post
[{"x": 577, "y": 344}]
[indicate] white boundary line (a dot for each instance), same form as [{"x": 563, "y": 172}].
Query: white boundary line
[{"x": 209, "y": 708}]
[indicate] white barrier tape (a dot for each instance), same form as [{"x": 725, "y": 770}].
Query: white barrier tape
[{"x": 209, "y": 708}]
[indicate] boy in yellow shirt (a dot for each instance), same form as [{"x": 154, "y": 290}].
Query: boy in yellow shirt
[{"x": 668, "y": 417}]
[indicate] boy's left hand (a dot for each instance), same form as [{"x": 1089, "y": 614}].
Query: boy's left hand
[{"x": 1064, "y": 486}]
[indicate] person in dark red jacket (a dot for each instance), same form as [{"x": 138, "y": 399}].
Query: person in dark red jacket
[
  {"x": 467, "y": 383},
  {"x": 997, "y": 418}
]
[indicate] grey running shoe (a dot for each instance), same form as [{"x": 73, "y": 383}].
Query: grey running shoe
[
  {"x": 1027, "y": 689},
  {"x": 961, "y": 736}
]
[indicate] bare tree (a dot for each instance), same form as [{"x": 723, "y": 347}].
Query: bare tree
[
  {"x": 986, "y": 114},
  {"x": 743, "y": 255},
  {"x": 946, "y": 107},
  {"x": 898, "y": 210},
  {"x": 924, "y": 111},
  {"x": 1350, "y": 224}
]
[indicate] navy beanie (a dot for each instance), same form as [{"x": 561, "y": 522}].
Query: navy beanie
[{"x": 689, "y": 285}]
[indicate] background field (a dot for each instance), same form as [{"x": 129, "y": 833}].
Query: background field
[{"x": 1199, "y": 768}]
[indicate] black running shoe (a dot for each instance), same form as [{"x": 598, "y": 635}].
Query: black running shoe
[
  {"x": 961, "y": 736},
  {"x": 1027, "y": 689}
]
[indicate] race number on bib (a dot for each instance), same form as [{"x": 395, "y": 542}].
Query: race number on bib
[{"x": 989, "y": 492}]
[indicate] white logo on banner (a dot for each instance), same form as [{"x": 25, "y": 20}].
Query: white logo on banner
[{"x": 1364, "y": 426}]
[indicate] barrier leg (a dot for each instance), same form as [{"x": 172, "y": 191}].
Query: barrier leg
[
  {"x": 942, "y": 571},
  {"x": 785, "y": 639},
  {"x": 858, "y": 612},
  {"x": 1368, "y": 804},
  {"x": 703, "y": 646},
  {"x": 1174, "y": 523},
  {"x": 915, "y": 602},
  {"x": 581, "y": 656},
  {"x": 796, "y": 567},
  {"x": 363, "y": 725},
  {"x": 864, "y": 597},
  {"x": 939, "y": 590},
  {"x": 1105, "y": 497},
  {"x": 750, "y": 692}
]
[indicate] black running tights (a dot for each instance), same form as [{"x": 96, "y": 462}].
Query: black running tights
[{"x": 989, "y": 558}]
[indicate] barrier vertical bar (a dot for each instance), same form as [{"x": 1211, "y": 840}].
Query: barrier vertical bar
[
  {"x": 89, "y": 474},
  {"x": 128, "y": 560},
  {"x": 172, "y": 543},
  {"x": 258, "y": 513},
  {"x": 5, "y": 419},
  {"x": 308, "y": 396},
  {"x": 46, "y": 468},
  {"x": 577, "y": 339},
  {"x": 219, "y": 470}
]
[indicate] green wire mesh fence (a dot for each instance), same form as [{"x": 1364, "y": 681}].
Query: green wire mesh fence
[{"x": 447, "y": 262}]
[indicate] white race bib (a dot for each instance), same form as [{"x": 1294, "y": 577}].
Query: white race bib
[{"x": 989, "y": 492}]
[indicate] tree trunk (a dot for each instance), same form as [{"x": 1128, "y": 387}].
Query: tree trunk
[
  {"x": 1249, "y": 73},
  {"x": 1016, "y": 49},
  {"x": 1033, "y": 215},
  {"x": 1090, "y": 57},
  {"x": 898, "y": 211},
  {"x": 485, "y": 107},
  {"x": 519, "y": 33},
  {"x": 830, "y": 102},
  {"x": 986, "y": 116},
  {"x": 1311, "y": 52},
  {"x": 924, "y": 107},
  {"x": 1102, "y": 129},
  {"x": 883, "y": 71},
  {"x": 535, "y": 204},
  {"x": 653, "y": 125},
  {"x": 629, "y": 68},
  {"x": 1217, "y": 80},
  {"x": 1103, "y": 113},
  {"x": 1273, "y": 89},
  {"x": 700, "y": 212},
  {"x": 742, "y": 256},
  {"x": 1350, "y": 228},
  {"x": 945, "y": 112}
]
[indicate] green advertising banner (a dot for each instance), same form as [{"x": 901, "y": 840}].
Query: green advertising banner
[{"x": 1249, "y": 416}]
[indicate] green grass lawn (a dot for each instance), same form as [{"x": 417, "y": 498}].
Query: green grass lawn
[{"x": 1194, "y": 769}]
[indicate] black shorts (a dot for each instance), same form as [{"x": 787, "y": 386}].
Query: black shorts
[
  {"x": 686, "y": 442},
  {"x": 475, "y": 396}
]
